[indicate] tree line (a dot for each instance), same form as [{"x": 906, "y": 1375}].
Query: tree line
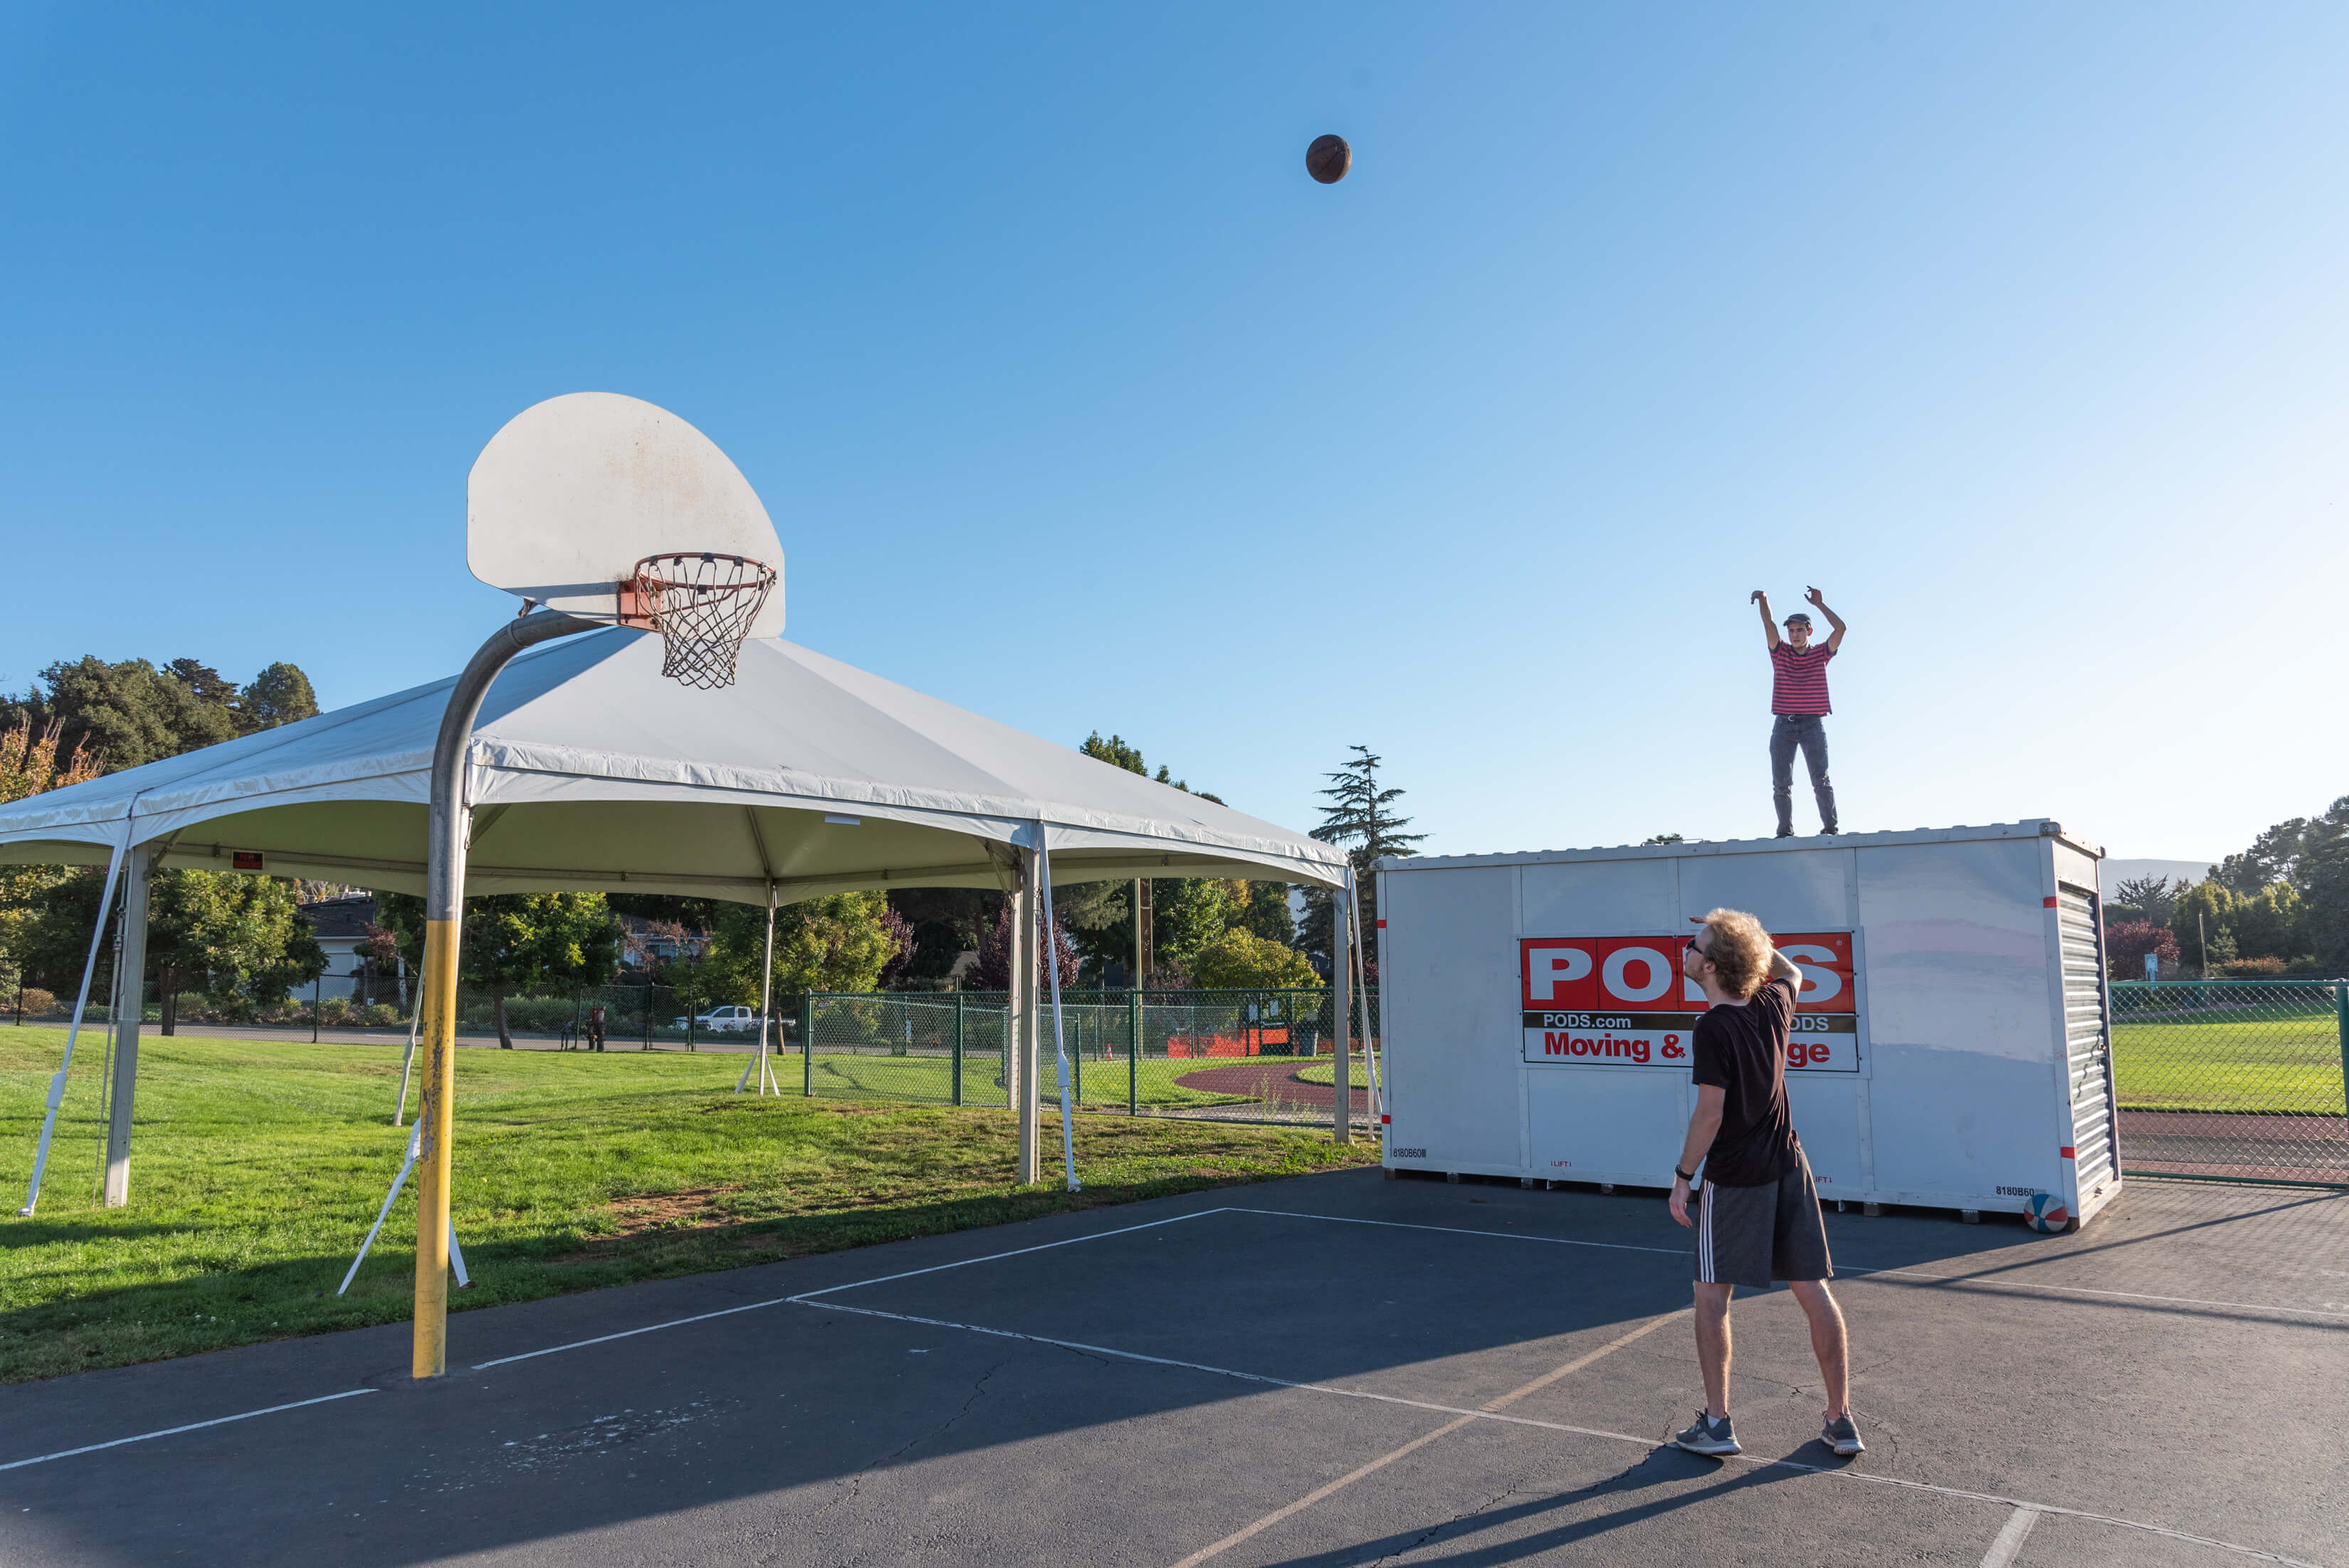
[
  {"x": 237, "y": 943},
  {"x": 2279, "y": 907},
  {"x": 235, "y": 940}
]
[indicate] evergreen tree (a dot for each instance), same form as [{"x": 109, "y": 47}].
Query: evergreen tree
[{"x": 1359, "y": 817}]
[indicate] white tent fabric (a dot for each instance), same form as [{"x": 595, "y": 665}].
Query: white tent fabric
[{"x": 590, "y": 772}]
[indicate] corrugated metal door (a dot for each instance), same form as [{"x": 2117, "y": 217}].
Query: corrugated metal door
[{"x": 2088, "y": 1039}]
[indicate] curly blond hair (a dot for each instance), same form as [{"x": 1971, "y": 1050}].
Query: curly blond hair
[{"x": 1740, "y": 950}]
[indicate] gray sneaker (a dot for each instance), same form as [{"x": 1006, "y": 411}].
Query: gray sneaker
[
  {"x": 1710, "y": 1438},
  {"x": 1843, "y": 1436}
]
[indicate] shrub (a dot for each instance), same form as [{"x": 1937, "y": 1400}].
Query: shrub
[
  {"x": 2127, "y": 942},
  {"x": 38, "y": 1002},
  {"x": 2252, "y": 969},
  {"x": 1238, "y": 961},
  {"x": 335, "y": 1010},
  {"x": 384, "y": 1013}
]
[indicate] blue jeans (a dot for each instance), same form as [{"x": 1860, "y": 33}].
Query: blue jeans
[{"x": 1806, "y": 731}]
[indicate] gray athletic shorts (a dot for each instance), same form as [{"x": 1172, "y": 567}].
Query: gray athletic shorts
[{"x": 1755, "y": 1235}]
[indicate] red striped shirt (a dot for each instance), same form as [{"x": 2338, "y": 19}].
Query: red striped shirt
[{"x": 1802, "y": 679}]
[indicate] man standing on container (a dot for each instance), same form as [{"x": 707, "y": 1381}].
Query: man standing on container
[
  {"x": 1757, "y": 1213},
  {"x": 1798, "y": 697}
]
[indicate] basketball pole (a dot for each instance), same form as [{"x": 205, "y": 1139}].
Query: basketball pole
[{"x": 448, "y": 827}]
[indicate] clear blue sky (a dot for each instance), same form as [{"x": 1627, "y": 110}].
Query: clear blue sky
[{"x": 2022, "y": 330}]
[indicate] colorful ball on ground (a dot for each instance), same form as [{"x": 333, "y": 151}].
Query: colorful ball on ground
[{"x": 2045, "y": 1211}]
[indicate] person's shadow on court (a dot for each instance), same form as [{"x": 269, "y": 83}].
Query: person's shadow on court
[{"x": 1665, "y": 1466}]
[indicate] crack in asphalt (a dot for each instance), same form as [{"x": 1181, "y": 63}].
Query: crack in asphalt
[{"x": 1425, "y": 1536}]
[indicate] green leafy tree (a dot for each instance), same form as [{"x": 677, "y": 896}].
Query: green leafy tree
[
  {"x": 1664, "y": 838},
  {"x": 517, "y": 942},
  {"x": 2322, "y": 869},
  {"x": 237, "y": 938},
  {"x": 1361, "y": 817},
  {"x": 278, "y": 695},
  {"x": 130, "y": 713},
  {"x": 228, "y": 936},
  {"x": 2203, "y": 921},
  {"x": 33, "y": 758},
  {"x": 841, "y": 942},
  {"x": 2274, "y": 857},
  {"x": 1240, "y": 961},
  {"x": 2266, "y": 925}
]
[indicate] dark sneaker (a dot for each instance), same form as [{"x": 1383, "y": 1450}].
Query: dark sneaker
[
  {"x": 1843, "y": 1436},
  {"x": 1710, "y": 1438}
]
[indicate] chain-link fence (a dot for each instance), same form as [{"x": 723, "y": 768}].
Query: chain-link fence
[
  {"x": 631, "y": 1017},
  {"x": 2233, "y": 1079},
  {"x": 1241, "y": 1055}
]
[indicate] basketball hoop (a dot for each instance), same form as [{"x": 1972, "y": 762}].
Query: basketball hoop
[{"x": 702, "y": 605}]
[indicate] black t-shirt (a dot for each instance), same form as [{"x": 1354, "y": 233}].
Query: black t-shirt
[{"x": 1743, "y": 1051}]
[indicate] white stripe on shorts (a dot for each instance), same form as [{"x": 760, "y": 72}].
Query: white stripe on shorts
[{"x": 1704, "y": 1234}]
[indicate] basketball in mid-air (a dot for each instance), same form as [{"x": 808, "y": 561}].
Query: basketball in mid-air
[{"x": 1329, "y": 159}]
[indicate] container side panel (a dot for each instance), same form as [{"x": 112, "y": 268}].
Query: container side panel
[
  {"x": 1960, "y": 1022},
  {"x": 1602, "y": 1124},
  {"x": 1448, "y": 996},
  {"x": 1826, "y": 1118},
  {"x": 1799, "y": 890},
  {"x": 1600, "y": 898},
  {"x": 2088, "y": 1040},
  {"x": 1960, "y": 1122},
  {"x": 1957, "y": 950}
]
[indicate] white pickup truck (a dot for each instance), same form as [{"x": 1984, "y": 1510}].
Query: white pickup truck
[{"x": 732, "y": 1018}]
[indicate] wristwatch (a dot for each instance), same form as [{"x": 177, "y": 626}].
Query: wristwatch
[{"x": 1687, "y": 1176}]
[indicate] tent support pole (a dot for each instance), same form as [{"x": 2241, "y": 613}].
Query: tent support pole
[
  {"x": 81, "y": 1002},
  {"x": 1363, "y": 990},
  {"x": 1341, "y": 1002},
  {"x": 132, "y": 962},
  {"x": 766, "y": 1002},
  {"x": 1022, "y": 1020},
  {"x": 444, "y": 902},
  {"x": 1050, "y": 939}
]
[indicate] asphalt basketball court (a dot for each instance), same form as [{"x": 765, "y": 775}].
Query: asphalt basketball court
[{"x": 1334, "y": 1370}]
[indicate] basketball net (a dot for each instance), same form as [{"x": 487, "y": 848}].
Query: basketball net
[{"x": 702, "y": 606}]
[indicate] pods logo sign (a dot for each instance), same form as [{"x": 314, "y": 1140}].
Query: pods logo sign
[{"x": 1622, "y": 1001}]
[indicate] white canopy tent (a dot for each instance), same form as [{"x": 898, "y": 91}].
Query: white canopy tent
[{"x": 588, "y": 770}]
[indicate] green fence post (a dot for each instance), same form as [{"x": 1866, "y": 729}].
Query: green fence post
[
  {"x": 957, "y": 1049},
  {"x": 2341, "y": 1009},
  {"x": 1133, "y": 1052},
  {"x": 807, "y": 1044}
]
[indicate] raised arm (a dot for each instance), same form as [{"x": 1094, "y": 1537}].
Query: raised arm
[
  {"x": 1784, "y": 968},
  {"x": 1818, "y": 601},
  {"x": 1769, "y": 626}
]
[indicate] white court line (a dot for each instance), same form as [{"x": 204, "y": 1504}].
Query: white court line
[
  {"x": 1959, "y": 1282},
  {"x": 2010, "y": 1538},
  {"x": 1450, "y": 1426},
  {"x": 1835, "y": 1473},
  {"x": 190, "y": 1427},
  {"x": 852, "y": 1284}
]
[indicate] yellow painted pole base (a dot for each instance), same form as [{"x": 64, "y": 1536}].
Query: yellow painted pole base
[{"x": 439, "y": 1050}]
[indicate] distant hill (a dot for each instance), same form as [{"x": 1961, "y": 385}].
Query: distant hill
[{"x": 2112, "y": 873}]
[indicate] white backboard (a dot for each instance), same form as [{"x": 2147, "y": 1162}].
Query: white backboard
[{"x": 573, "y": 491}]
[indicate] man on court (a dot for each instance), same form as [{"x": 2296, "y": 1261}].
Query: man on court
[
  {"x": 1757, "y": 1216},
  {"x": 1798, "y": 695}
]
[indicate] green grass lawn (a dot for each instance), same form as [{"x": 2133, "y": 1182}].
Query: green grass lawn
[
  {"x": 258, "y": 1166},
  {"x": 2284, "y": 1059}
]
